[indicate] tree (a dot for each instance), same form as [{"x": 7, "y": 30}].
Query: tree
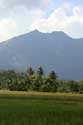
[
  {"x": 74, "y": 86},
  {"x": 40, "y": 71},
  {"x": 52, "y": 75},
  {"x": 30, "y": 71},
  {"x": 81, "y": 86},
  {"x": 50, "y": 83},
  {"x": 38, "y": 79}
]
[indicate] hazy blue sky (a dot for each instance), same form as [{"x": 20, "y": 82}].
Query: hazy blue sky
[{"x": 21, "y": 16}]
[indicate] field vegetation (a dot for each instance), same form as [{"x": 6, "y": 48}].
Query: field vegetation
[
  {"x": 38, "y": 108},
  {"x": 33, "y": 98},
  {"x": 38, "y": 81}
]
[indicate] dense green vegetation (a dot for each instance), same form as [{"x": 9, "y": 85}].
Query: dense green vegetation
[
  {"x": 41, "y": 107},
  {"x": 37, "y": 81},
  {"x": 39, "y": 112}
]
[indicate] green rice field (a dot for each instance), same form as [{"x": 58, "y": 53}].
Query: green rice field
[{"x": 31, "y": 108}]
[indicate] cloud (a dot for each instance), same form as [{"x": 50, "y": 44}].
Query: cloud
[
  {"x": 7, "y": 29},
  {"x": 25, "y": 18},
  {"x": 16, "y": 16},
  {"x": 21, "y": 16},
  {"x": 17, "y": 19},
  {"x": 30, "y": 4},
  {"x": 78, "y": 11},
  {"x": 59, "y": 20}
]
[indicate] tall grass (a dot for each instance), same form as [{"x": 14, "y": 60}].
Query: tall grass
[
  {"x": 39, "y": 112},
  {"x": 71, "y": 97},
  {"x": 33, "y": 108}
]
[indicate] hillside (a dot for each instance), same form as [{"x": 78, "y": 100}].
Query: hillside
[{"x": 54, "y": 51}]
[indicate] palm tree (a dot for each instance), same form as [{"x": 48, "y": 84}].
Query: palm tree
[
  {"x": 30, "y": 71},
  {"x": 51, "y": 83},
  {"x": 40, "y": 71},
  {"x": 52, "y": 75},
  {"x": 38, "y": 80}
]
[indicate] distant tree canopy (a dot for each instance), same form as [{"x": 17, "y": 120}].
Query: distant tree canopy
[
  {"x": 37, "y": 81},
  {"x": 40, "y": 71},
  {"x": 30, "y": 71}
]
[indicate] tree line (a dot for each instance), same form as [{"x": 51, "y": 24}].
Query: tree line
[{"x": 37, "y": 81}]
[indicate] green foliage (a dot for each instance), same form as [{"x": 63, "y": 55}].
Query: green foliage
[
  {"x": 52, "y": 75},
  {"x": 74, "y": 86},
  {"x": 30, "y": 71},
  {"x": 40, "y": 71},
  {"x": 40, "y": 112},
  {"x": 31, "y": 80},
  {"x": 49, "y": 85}
]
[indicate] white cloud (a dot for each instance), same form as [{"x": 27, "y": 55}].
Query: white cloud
[
  {"x": 18, "y": 21},
  {"x": 27, "y": 3},
  {"x": 24, "y": 18},
  {"x": 18, "y": 17},
  {"x": 78, "y": 11},
  {"x": 59, "y": 20},
  {"x": 7, "y": 29}
]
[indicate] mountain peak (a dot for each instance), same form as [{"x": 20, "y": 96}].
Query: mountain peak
[
  {"x": 51, "y": 50},
  {"x": 35, "y": 31},
  {"x": 56, "y": 33},
  {"x": 59, "y": 33}
]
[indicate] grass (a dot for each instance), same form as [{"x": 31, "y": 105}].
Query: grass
[
  {"x": 33, "y": 108},
  {"x": 63, "y": 97}
]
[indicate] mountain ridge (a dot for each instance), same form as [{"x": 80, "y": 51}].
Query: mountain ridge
[
  {"x": 54, "y": 51},
  {"x": 37, "y": 31}
]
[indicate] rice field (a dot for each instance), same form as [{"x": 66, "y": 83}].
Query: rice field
[{"x": 33, "y": 108}]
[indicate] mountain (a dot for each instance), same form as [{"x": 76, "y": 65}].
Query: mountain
[{"x": 54, "y": 51}]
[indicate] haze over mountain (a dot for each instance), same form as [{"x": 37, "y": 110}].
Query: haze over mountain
[{"x": 54, "y": 51}]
